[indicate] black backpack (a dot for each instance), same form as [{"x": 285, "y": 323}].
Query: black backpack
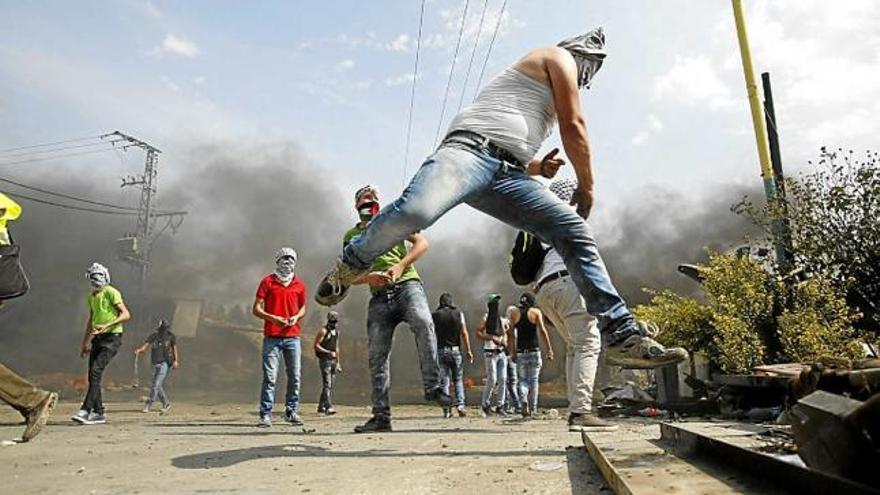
[
  {"x": 526, "y": 258},
  {"x": 13, "y": 282}
]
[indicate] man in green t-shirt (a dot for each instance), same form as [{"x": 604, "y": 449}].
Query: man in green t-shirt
[
  {"x": 398, "y": 296},
  {"x": 101, "y": 340}
]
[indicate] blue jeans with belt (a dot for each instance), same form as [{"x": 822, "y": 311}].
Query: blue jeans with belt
[
  {"x": 461, "y": 171},
  {"x": 528, "y": 366},
  {"x": 273, "y": 349},
  {"x": 451, "y": 370}
]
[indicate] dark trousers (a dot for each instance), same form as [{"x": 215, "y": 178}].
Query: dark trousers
[
  {"x": 328, "y": 374},
  {"x": 104, "y": 348}
]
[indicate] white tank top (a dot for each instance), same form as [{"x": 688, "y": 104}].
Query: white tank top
[{"x": 514, "y": 111}]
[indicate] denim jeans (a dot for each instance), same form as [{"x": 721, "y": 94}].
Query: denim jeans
[
  {"x": 157, "y": 389},
  {"x": 104, "y": 349},
  {"x": 328, "y": 375},
  {"x": 405, "y": 302},
  {"x": 528, "y": 367},
  {"x": 457, "y": 173},
  {"x": 563, "y": 305},
  {"x": 273, "y": 349},
  {"x": 451, "y": 369},
  {"x": 511, "y": 401},
  {"x": 496, "y": 378}
]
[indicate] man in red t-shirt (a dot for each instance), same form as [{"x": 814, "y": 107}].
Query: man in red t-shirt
[{"x": 281, "y": 304}]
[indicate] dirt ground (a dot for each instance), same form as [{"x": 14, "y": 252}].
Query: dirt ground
[{"x": 217, "y": 448}]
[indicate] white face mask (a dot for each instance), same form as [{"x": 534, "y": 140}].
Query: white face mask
[
  {"x": 98, "y": 275},
  {"x": 284, "y": 269},
  {"x": 588, "y": 51}
]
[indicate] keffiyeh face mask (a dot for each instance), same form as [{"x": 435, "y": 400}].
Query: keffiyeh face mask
[
  {"x": 98, "y": 275},
  {"x": 564, "y": 189},
  {"x": 285, "y": 265},
  {"x": 588, "y": 51}
]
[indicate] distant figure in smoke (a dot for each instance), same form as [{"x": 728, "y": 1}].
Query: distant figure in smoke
[
  {"x": 281, "y": 304},
  {"x": 527, "y": 322},
  {"x": 483, "y": 161},
  {"x": 329, "y": 360},
  {"x": 101, "y": 340},
  {"x": 164, "y": 356},
  {"x": 558, "y": 297},
  {"x": 452, "y": 335},
  {"x": 493, "y": 332},
  {"x": 398, "y": 297},
  {"x": 34, "y": 403}
]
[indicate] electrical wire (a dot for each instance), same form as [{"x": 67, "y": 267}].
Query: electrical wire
[
  {"x": 467, "y": 74},
  {"x": 491, "y": 45},
  {"x": 412, "y": 96},
  {"x": 55, "y": 150},
  {"x": 50, "y": 144},
  {"x": 451, "y": 71},
  {"x": 71, "y": 207},
  {"x": 56, "y": 157},
  {"x": 65, "y": 196}
]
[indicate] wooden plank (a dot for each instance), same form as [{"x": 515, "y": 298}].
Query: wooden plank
[{"x": 634, "y": 462}]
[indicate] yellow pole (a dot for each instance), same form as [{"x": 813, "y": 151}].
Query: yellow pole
[{"x": 754, "y": 102}]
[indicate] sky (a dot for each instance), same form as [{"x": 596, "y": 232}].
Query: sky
[{"x": 668, "y": 109}]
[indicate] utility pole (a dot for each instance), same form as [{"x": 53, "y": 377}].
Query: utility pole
[{"x": 139, "y": 253}]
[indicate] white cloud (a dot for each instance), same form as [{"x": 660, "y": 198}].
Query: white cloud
[
  {"x": 653, "y": 126},
  {"x": 344, "y": 65},
  {"x": 695, "y": 81},
  {"x": 399, "y": 44},
  {"x": 399, "y": 80},
  {"x": 151, "y": 9},
  {"x": 170, "y": 84},
  {"x": 176, "y": 45}
]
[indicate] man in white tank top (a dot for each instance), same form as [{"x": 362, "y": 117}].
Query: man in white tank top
[{"x": 484, "y": 161}]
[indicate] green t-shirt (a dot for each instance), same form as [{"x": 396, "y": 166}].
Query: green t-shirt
[
  {"x": 387, "y": 260},
  {"x": 102, "y": 305}
]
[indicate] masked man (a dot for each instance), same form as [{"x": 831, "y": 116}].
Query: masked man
[
  {"x": 281, "y": 304},
  {"x": 398, "y": 296},
  {"x": 483, "y": 161},
  {"x": 101, "y": 340}
]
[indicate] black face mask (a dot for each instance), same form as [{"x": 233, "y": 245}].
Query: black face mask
[
  {"x": 526, "y": 301},
  {"x": 331, "y": 324}
]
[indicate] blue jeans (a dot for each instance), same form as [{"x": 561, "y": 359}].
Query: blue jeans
[
  {"x": 458, "y": 173},
  {"x": 273, "y": 349},
  {"x": 451, "y": 369},
  {"x": 512, "y": 399},
  {"x": 157, "y": 389},
  {"x": 528, "y": 368},
  {"x": 403, "y": 302},
  {"x": 496, "y": 378}
]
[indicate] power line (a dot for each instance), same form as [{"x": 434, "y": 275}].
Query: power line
[
  {"x": 491, "y": 45},
  {"x": 55, "y": 150},
  {"x": 467, "y": 74},
  {"x": 70, "y": 207},
  {"x": 50, "y": 144},
  {"x": 65, "y": 196},
  {"x": 56, "y": 157},
  {"x": 451, "y": 71},
  {"x": 412, "y": 96}
]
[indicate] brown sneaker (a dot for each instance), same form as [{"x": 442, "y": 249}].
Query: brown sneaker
[
  {"x": 588, "y": 423},
  {"x": 642, "y": 352},
  {"x": 37, "y": 418}
]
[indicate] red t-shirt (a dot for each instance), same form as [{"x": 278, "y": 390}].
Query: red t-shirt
[{"x": 281, "y": 301}]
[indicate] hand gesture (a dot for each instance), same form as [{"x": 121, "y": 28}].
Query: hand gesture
[
  {"x": 550, "y": 164},
  {"x": 395, "y": 272},
  {"x": 470, "y": 356},
  {"x": 99, "y": 329},
  {"x": 377, "y": 279},
  {"x": 583, "y": 199}
]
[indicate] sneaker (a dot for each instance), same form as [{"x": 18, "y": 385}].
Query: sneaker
[
  {"x": 95, "y": 419},
  {"x": 334, "y": 286},
  {"x": 293, "y": 418},
  {"x": 643, "y": 352},
  {"x": 265, "y": 422},
  {"x": 81, "y": 416},
  {"x": 374, "y": 425},
  {"x": 499, "y": 411},
  {"x": 588, "y": 423},
  {"x": 524, "y": 410},
  {"x": 486, "y": 410},
  {"x": 439, "y": 396},
  {"x": 330, "y": 411},
  {"x": 447, "y": 413},
  {"x": 38, "y": 416},
  {"x": 165, "y": 409},
  {"x": 146, "y": 409},
  {"x": 462, "y": 413},
  {"x": 322, "y": 409}
]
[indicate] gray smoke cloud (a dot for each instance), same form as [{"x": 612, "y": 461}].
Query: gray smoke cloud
[{"x": 244, "y": 203}]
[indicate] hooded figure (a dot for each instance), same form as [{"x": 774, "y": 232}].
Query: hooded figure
[
  {"x": 164, "y": 326},
  {"x": 446, "y": 301},
  {"x": 285, "y": 264},
  {"x": 588, "y": 51},
  {"x": 332, "y": 320},
  {"x": 98, "y": 275}
]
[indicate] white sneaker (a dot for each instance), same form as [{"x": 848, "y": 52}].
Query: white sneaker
[
  {"x": 643, "y": 352},
  {"x": 81, "y": 416},
  {"x": 146, "y": 409},
  {"x": 165, "y": 409},
  {"x": 265, "y": 422},
  {"x": 95, "y": 419}
]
